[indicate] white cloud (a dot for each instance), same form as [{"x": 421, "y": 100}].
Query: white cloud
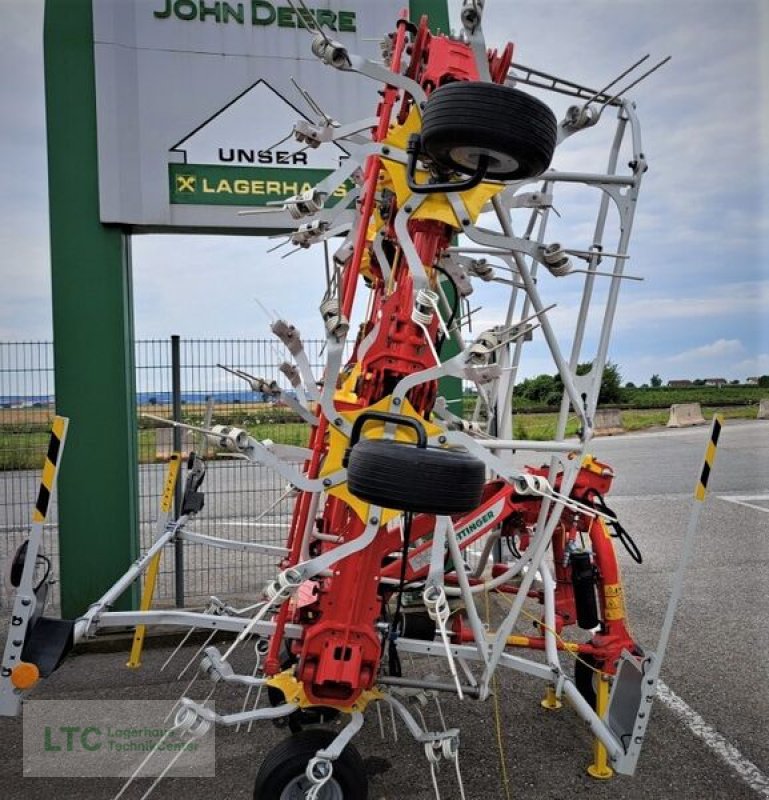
[
  {"x": 721, "y": 358},
  {"x": 753, "y": 366},
  {"x": 721, "y": 348},
  {"x": 748, "y": 300},
  {"x": 212, "y": 290}
]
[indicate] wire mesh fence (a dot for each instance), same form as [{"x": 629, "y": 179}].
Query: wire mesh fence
[
  {"x": 244, "y": 502},
  {"x": 26, "y": 411}
]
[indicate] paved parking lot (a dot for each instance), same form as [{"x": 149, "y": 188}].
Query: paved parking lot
[{"x": 707, "y": 738}]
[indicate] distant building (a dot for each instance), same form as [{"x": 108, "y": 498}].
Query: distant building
[
  {"x": 679, "y": 384},
  {"x": 751, "y": 381},
  {"x": 716, "y": 382}
]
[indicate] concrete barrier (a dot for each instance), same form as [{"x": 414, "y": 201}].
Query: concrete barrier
[
  {"x": 682, "y": 415},
  {"x": 607, "y": 422},
  {"x": 763, "y": 408}
]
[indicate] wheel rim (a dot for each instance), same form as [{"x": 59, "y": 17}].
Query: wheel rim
[
  {"x": 469, "y": 156},
  {"x": 298, "y": 787}
]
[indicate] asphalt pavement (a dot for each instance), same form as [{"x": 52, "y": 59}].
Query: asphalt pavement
[{"x": 707, "y": 737}]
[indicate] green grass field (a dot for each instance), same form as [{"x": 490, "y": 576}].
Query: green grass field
[
  {"x": 709, "y": 396},
  {"x": 540, "y": 427}
]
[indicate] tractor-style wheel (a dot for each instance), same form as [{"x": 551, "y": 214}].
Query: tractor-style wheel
[
  {"x": 426, "y": 480},
  {"x": 282, "y": 774},
  {"x": 465, "y": 120}
]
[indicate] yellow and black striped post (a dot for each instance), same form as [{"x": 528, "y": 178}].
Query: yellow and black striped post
[
  {"x": 16, "y": 675},
  {"x": 50, "y": 468},
  {"x": 700, "y": 493},
  {"x": 166, "y": 504},
  {"x": 710, "y": 457},
  {"x": 645, "y": 677}
]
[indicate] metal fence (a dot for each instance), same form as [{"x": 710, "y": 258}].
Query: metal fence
[
  {"x": 243, "y": 501},
  {"x": 26, "y": 410}
]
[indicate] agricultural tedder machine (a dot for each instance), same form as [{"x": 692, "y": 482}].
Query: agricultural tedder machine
[{"x": 449, "y": 188}]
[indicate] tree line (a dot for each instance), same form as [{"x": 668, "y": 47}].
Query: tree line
[{"x": 546, "y": 390}]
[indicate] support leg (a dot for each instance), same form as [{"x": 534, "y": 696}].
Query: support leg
[{"x": 600, "y": 769}]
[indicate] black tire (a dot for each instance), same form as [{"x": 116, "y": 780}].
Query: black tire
[
  {"x": 585, "y": 677},
  {"x": 464, "y": 120},
  {"x": 280, "y": 775},
  {"x": 426, "y": 480}
]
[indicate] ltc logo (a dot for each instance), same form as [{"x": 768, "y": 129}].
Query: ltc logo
[
  {"x": 185, "y": 183},
  {"x": 85, "y": 733}
]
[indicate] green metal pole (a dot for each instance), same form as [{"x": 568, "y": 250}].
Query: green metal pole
[
  {"x": 436, "y": 10},
  {"x": 93, "y": 327},
  {"x": 438, "y": 15}
]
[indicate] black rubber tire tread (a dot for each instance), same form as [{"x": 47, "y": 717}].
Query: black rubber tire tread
[
  {"x": 423, "y": 480},
  {"x": 584, "y": 677},
  {"x": 489, "y": 116},
  {"x": 289, "y": 759}
]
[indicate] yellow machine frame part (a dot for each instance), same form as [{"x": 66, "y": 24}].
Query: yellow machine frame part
[
  {"x": 293, "y": 691},
  {"x": 435, "y": 206}
]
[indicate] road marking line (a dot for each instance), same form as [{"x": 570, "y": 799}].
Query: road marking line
[
  {"x": 742, "y": 500},
  {"x": 693, "y": 431},
  {"x": 652, "y": 496},
  {"x": 726, "y": 751}
]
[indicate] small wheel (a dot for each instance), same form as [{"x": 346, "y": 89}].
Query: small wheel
[
  {"x": 426, "y": 480},
  {"x": 585, "y": 677},
  {"x": 282, "y": 773},
  {"x": 465, "y": 120}
]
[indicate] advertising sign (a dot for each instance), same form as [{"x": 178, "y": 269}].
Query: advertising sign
[{"x": 196, "y": 101}]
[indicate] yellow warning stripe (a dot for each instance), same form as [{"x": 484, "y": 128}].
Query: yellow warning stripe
[
  {"x": 148, "y": 592},
  {"x": 614, "y": 602},
  {"x": 710, "y": 457},
  {"x": 48, "y": 478},
  {"x": 171, "y": 476}
]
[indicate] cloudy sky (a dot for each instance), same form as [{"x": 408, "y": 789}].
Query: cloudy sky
[{"x": 701, "y": 239}]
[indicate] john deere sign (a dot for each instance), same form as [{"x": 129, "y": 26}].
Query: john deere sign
[
  {"x": 196, "y": 103},
  {"x": 259, "y": 12}
]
